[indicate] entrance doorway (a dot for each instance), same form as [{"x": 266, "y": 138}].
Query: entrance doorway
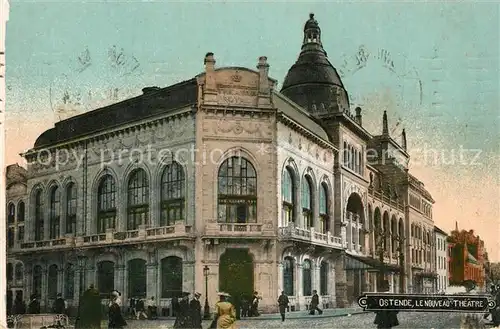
[{"x": 236, "y": 273}]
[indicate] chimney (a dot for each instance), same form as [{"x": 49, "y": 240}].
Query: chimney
[
  {"x": 210, "y": 90},
  {"x": 264, "y": 88},
  {"x": 385, "y": 127},
  {"x": 359, "y": 117},
  {"x": 403, "y": 136}
]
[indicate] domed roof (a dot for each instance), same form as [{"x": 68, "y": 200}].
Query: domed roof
[{"x": 312, "y": 79}]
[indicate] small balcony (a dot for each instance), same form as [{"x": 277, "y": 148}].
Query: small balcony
[
  {"x": 48, "y": 244},
  {"x": 234, "y": 229},
  {"x": 309, "y": 235}
]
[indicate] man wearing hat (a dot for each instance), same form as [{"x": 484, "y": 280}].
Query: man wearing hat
[
  {"x": 195, "y": 307},
  {"x": 59, "y": 306},
  {"x": 182, "y": 319}
]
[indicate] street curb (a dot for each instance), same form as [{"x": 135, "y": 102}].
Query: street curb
[{"x": 258, "y": 318}]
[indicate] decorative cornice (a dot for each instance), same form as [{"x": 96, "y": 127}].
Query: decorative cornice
[
  {"x": 300, "y": 129},
  {"x": 135, "y": 127}
]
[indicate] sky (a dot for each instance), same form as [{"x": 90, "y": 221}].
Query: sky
[{"x": 433, "y": 66}]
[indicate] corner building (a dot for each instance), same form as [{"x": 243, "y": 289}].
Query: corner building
[{"x": 268, "y": 190}]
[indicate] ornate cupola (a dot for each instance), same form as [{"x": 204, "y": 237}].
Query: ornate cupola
[{"x": 312, "y": 82}]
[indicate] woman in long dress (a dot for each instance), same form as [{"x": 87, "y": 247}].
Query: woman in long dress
[{"x": 225, "y": 313}]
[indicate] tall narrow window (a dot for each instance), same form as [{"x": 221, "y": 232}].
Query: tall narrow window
[
  {"x": 11, "y": 237},
  {"x": 306, "y": 278},
  {"x": 323, "y": 208},
  {"x": 105, "y": 277},
  {"x": 71, "y": 208},
  {"x": 20, "y": 233},
  {"x": 39, "y": 225},
  {"x": 138, "y": 200},
  {"x": 11, "y": 216},
  {"x": 173, "y": 200},
  {"x": 323, "y": 278},
  {"x": 237, "y": 198},
  {"x": 52, "y": 283},
  {"x": 21, "y": 211},
  {"x": 307, "y": 202},
  {"x": 106, "y": 206},
  {"x": 288, "y": 276},
  {"x": 55, "y": 212},
  {"x": 10, "y": 272},
  {"x": 69, "y": 284},
  {"x": 37, "y": 281},
  {"x": 19, "y": 272},
  {"x": 288, "y": 196}
]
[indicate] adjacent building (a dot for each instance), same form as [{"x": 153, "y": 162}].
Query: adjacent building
[
  {"x": 441, "y": 259},
  {"x": 4, "y": 17},
  {"x": 466, "y": 258},
  {"x": 225, "y": 179}
]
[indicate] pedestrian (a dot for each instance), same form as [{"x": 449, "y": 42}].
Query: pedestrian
[
  {"x": 314, "y": 304},
  {"x": 225, "y": 315},
  {"x": 60, "y": 305},
  {"x": 182, "y": 319},
  {"x": 132, "y": 313},
  {"x": 19, "y": 304},
  {"x": 34, "y": 305},
  {"x": 152, "y": 309},
  {"x": 195, "y": 310},
  {"x": 254, "y": 308},
  {"x": 386, "y": 319},
  {"x": 495, "y": 313},
  {"x": 115, "y": 317},
  {"x": 283, "y": 305},
  {"x": 140, "y": 309},
  {"x": 245, "y": 306},
  {"x": 89, "y": 310}
]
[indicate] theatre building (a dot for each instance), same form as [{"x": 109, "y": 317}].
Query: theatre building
[{"x": 221, "y": 178}]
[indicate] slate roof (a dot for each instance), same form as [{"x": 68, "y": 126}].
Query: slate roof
[{"x": 154, "y": 101}]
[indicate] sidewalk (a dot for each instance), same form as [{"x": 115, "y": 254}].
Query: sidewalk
[{"x": 327, "y": 313}]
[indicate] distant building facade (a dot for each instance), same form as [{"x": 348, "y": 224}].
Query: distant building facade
[
  {"x": 441, "y": 259},
  {"x": 467, "y": 258},
  {"x": 280, "y": 184}
]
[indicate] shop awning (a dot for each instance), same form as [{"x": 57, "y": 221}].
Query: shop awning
[{"x": 354, "y": 262}]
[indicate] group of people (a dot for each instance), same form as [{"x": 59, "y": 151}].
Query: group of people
[
  {"x": 187, "y": 313},
  {"x": 313, "y": 306},
  {"x": 140, "y": 308}
]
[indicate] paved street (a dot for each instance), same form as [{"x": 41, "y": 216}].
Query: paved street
[{"x": 364, "y": 321}]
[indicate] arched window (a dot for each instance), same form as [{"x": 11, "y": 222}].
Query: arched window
[
  {"x": 55, "y": 212},
  {"x": 237, "y": 198},
  {"x": 52, "y": 282},
  {"x": 19, "y": 272},
  {"x": 37, "y": 280},
  {"x": 106, "y": 277},
  {"x": 137, "y": 280},
  {"x": 171, "y": 277},
  {"x": 39, "y": 232},
  {"x": 288, "y": 196},
  {"x": 21, "y": 212},
  {"x": 71, "y": 208},
  {"x": 173, "y": 198},
  {"x": 138, "y": 200},
  {"x": 307, "y": 206},
  {"x": 323, "y": 209},
  {"x": 288, "y": 276},
  {"x": 106, "y": 204},
  {"x": 69, "y": 284},
  {"x": 306, "y": 278},
  {"x": 11, "y": 216},
  {"x": 10, "y": 272},
  {"x": 323, "y": 278}
]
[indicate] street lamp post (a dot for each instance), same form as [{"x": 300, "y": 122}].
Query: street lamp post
[
  {"x": 206, "y": 311},
  {"x": 81, "y": 264}
]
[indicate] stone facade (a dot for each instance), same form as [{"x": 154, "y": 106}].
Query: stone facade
[
  {"x": 218, "y": 183},
  {"x": 441, "y": 259}
]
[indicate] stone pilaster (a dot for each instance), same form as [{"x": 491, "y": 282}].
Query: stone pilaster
[
  {"x": 152, "y": 282},
  {"x": 340, "y": 283},
  {"x": 43, "y": 293},
  {"x": 121, "y": 280},
  {"x": 188, "y": 276}
]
